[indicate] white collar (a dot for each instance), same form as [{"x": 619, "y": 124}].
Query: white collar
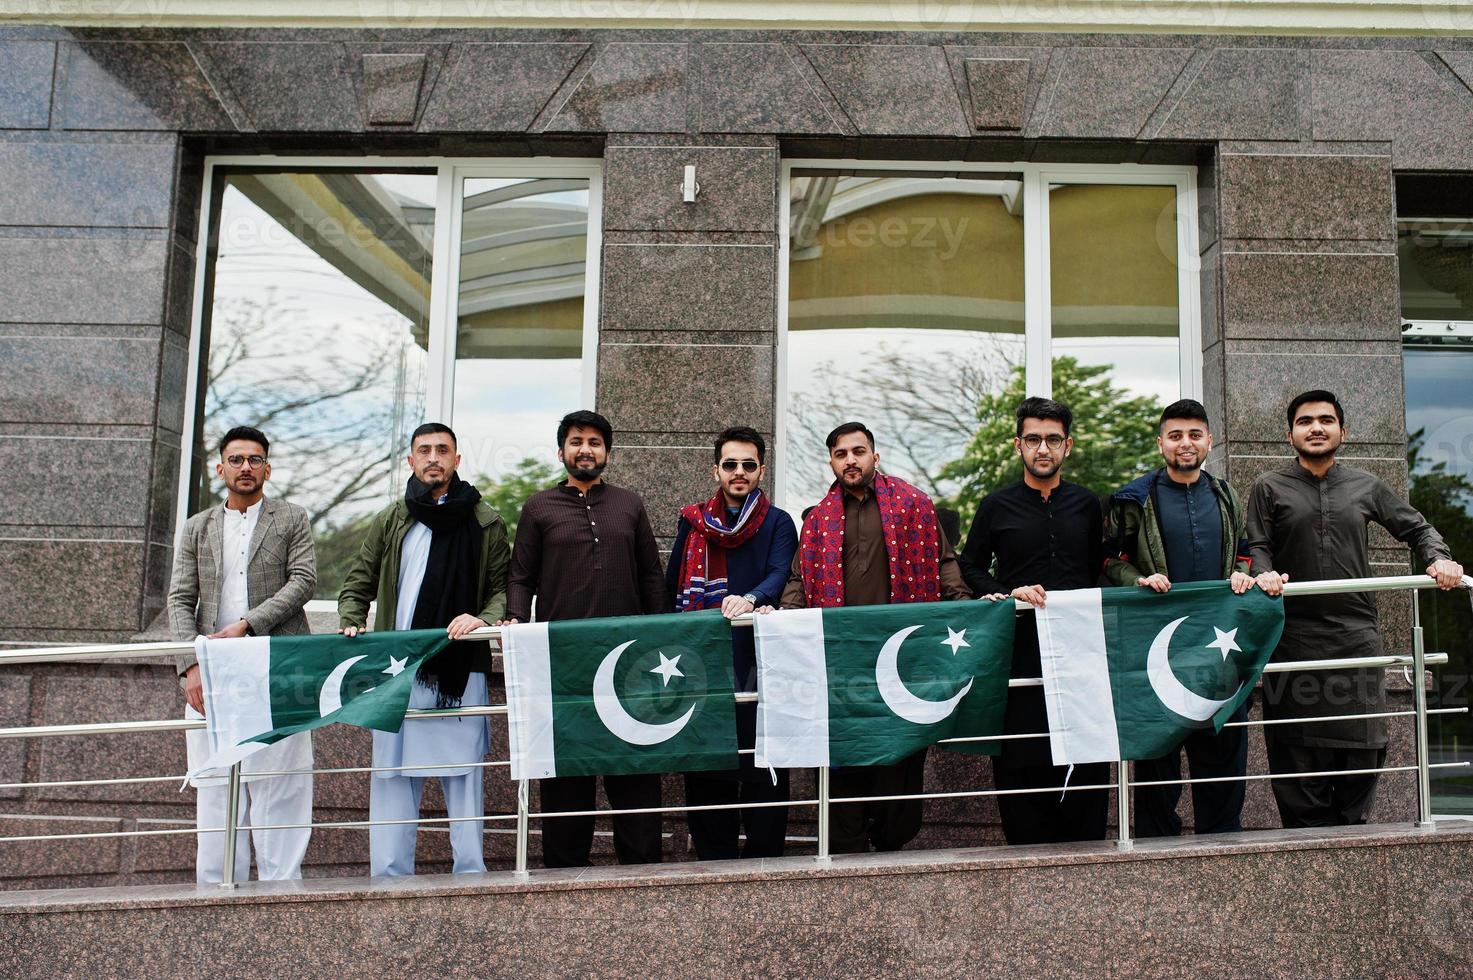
[{"x": 251, "y": 512}]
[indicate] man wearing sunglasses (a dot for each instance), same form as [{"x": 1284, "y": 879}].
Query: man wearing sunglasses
[
  {"x": 246, "y": 568},
  {"x": 733, "y": 552}
]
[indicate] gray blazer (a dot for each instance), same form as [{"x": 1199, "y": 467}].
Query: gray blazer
[{"x": 281, "y": 572}]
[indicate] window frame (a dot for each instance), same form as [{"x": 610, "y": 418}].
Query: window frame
[
  {"x": 450, "y": 174},
  {"x": 1037, "y": 291}
]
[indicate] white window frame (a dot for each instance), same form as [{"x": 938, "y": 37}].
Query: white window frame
[
  {"x": 451, "y": 174},
  {"x": 1037, "y": 292}
]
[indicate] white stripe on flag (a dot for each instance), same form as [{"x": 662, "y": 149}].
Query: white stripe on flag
[
  {"x": 236, "y": 674},
  {"x": 527, "y": 655},
  {"x": 792, "y": 690},
  {"x": 1076, "y": 679}
]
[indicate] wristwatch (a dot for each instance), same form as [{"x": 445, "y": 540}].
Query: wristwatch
[{"x": 751, "y": 597}]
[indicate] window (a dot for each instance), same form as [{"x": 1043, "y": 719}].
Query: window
[
  {"x": 343, "y": 305},
  {"x": 927, "y": 302}
]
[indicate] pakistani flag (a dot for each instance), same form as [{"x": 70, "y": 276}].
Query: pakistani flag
[
  {"x": 1129, "y": 673},
  {"x": 869, "y": 685},
  {"x": 260, "y": 689},
  {"x": 621, "y": 695}
]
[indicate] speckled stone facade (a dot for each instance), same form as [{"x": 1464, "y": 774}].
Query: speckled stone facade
[{"x": 103, "y": 135}]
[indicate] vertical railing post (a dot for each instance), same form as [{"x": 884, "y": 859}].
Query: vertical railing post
[
  {"x": 1419, "y": 699},
  {"x": 523, "y": 792},
  {"x": 1122, "y": 805},
  {"x": 232, "y": 820},
  {"x": 823, "y": 815}
]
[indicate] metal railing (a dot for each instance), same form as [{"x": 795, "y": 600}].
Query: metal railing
[{"x": 1417, "y": 661}]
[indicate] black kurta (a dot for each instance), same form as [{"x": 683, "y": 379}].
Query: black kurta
[{"x": 1313, "y": 528}]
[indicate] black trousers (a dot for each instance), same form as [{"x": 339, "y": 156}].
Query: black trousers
[
  {"x": 1052, "y": 816},
  {"x": 1322, "y": 801},
  {"x": 1217, "y": 807},
  {"x": 568, "y": 841},
  {"x": 715, "y": 833},
  {"x": 887, "y": 825}
]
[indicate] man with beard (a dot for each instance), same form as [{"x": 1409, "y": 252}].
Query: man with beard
[
  {"x": 1181, "y": 524},
  {"x": 732, "y": 552},
  {"x": 872, "y": 540},
  {"x": 435, "y": 560},
  {"x": 1308, "y": 520},
  {"x": 585, "y": 549},
  {"x": 1038, "y": 534},
  {"x": 246, "y": 569}
]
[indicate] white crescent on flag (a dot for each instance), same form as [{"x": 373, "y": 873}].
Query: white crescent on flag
[
  {"x": 898, "y": 697},
  {"x": 611, "y": 711}
]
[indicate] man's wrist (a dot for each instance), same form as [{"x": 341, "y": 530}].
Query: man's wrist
[{"x": 751, "y": 597}]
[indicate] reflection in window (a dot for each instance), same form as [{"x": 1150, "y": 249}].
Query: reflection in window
[
  {"x": 905, "y": 312},
  {"x": 1435, "y": 259},
  {"x": 1115, "y": 330},
  {"x": 519, "y": 336},
  {"x": 317, "y": 331}
]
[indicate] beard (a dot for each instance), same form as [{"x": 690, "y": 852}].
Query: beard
[
  {"x": 584, "y": 471},
  {"x": 1191, "y": 467},
  {"x": 1045, "y": 472}
]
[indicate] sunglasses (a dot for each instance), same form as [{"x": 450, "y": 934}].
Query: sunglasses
[{"x": 747, "y": 465}]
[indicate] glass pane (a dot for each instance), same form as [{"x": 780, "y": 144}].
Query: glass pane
[
  {"x": 1116, "y": 328},
  {"x": 519, "y": 331},
  {"x": 317, "y": 335},
  {"x": 1439, "y": 407},
  {"x": 1435, "y": 258},
  {"x": 905, "y": 312}
]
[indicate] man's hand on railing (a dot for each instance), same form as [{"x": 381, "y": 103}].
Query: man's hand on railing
[
  {"x": 1241, "y": 582},
  {"x": 351, "y": 631},
  {"x": 1034, "y": 595},
  {"x": 194, "y": 689},
  {"x": 1158, "y": 582},
  {"x": 1449, "y": 574},
  {"x": 463, "y": 624},
  {"x": 233, "y": 631},
  {"x": 1272, "y": 582},
  {"x": 508, "y": 622}
]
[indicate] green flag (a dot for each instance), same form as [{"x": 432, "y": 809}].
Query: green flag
[
  {"x": 869, "y": 685},
  {"x": 1130, "y": 673},
  {"x": 260, "y": 689},
  {"x": 621, "y": 695}
]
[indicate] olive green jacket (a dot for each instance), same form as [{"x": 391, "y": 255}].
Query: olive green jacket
[
  {"x": 1134, "y": 548},
  {"x": 374, "y": 575}
]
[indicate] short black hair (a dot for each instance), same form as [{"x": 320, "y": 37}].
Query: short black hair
[
  {"x": 740, "y": 433},
  {"x": 1044, "y": 408},
  {"x": 1187, "y": 408},
  {"x": 845, "y": 429},
  {"x": 249, "y": 433},
  {"x": 584, "y": 419},
  {"x": 429, "y": 429},
  {"x": 1317, "y": 395}
]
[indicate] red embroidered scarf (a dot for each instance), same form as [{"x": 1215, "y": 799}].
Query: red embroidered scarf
[
  {"x": 702, "y": 567},
  {"x": 912, "y": 541}
]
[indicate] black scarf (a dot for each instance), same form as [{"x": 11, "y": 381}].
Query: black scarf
[{"x": 451, "y": 583}]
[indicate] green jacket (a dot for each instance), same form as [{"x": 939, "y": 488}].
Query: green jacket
[
  {"x": 1134, "y": 548},
  {"x": 374, "y": 574}
]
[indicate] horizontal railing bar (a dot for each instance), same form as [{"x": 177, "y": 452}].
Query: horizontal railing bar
[
  {"x": 1293, "y": 775},
  {"x": 258, "y": 775},
  {"x": 326, "y": 825}
]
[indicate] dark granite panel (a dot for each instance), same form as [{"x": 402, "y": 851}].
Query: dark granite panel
[
  {"x": 1259, "y": 386},
  {"x": 289, "y": 87},
  {"x": 158, "y": 564},
  {"x": 892, "y": 89},
  {"x": 15, "y": 710},
  {"x": 163, "y": 492},
  {"x": 688, "y": 288},
  {"x": 136, "y": 85},
  {"x": 737, "y": 188},
  {"x": 1395, "y": 95},
  {"x": 668, "y": 479},
  {"x": 1211, "y": 282},
  {"x": 391, "y": 87},
  {"x": 1104, "y": 93},
  {"x": 497, "y": 87},
  {"x": 998, "y": 88},
  {"x": 1307, "y": 196},
  {"x": 1208, "y": 204},
  {"x": 96, "y": 582},
  {"x": 1310, "y": 296},
  {"x": 55, "y": 380},
  {"x": 26, "y": 68},
  {"x": 631, "y": 88},
  {"x": 756, "y": 88},
  {"x": 93, "y": 184},
  {"x": 107, "y": 481},
  {"x": 82, "y": 280},
  {"x": 668, "y": 388},
  {"x": 1243, "y": 93},
  {"x": 85, "y": 700},
  {"x": 173, "y": 379}
]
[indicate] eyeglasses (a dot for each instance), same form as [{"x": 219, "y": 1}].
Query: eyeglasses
[
  {"x": 238, "y": 461},
  {"x": 747, "y": 465},
  {"x": 1034, "y": 441}
]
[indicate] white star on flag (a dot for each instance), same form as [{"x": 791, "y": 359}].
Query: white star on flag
[
  {"x": 955, "y": 640},
  {"x": 395, "y": 667},
  {"x": 668, "y": 668},
  {"x": 1225, "y": 642}
]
